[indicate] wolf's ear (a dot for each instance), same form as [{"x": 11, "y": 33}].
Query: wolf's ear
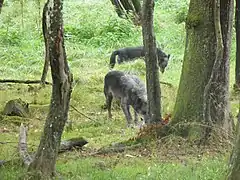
[{"x": 168, "y": 56}]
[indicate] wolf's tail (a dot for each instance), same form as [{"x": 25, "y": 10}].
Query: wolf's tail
[{"x": 113, "y": 59}]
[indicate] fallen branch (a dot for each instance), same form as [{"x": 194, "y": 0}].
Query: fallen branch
[
  {"x": 83, "y": 114},
  {"x": 119, "y": 148},
  {"x": 23, "y": 81},
  {"x": 27, "y": 159},
  {"x": 70, "y": 144},
  {"x": 8, "y": 142},
  {"x": 166, "y": 83},
  {"x": 67, "y": 145}
]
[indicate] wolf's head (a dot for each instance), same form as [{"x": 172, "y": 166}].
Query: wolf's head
[
  {"x": 141, "y": 106},
  {"x": 162, "y": 60}
]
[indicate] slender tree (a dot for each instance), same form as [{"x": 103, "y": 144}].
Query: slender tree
[
  {"x": 203, "y": 89},
  {"x": 128, "y": 9},
  {"x": 237, "y": 26},
  {"x": 45, "y": 158},
  {"x": 45, "y": 36},
  {"x": 152, "y": 69}
]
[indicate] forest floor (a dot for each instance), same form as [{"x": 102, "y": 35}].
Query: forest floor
[{"x": 92, "y": 32}]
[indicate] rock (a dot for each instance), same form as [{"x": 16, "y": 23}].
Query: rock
[{"x": 16, "y": 107}]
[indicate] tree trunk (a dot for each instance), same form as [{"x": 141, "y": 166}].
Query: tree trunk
[
  {"x": 205, "y": 70},
  {"x": 119, "y": 9},
  {"x": 1, "y": 4},
  {"x": 124, "y": 8},
  {"x": 234, "y": 164},
  {"x": 237, "y": 66},
  {"x": 45, "y": 36},
  {"x": 152, "y": 70},
  {"x": 216, "y": 93},
  {"x": 45, "y": 158}
]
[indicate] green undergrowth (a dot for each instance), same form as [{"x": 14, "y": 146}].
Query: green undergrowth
[
  {"x": 131, "y": 167},
  {"x": 92, "y": 32}
]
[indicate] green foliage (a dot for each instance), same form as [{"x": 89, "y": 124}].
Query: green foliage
[
  {"x": 181, "y": 15},
  {"x": 10, "y": 37},
  {"x": 107, "y": 35}
]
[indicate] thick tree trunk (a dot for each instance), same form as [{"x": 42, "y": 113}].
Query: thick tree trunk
[
  {"x": 152, "y": 76},
  {"x": 45, "y": 36},
  {"x": 203, "y": 90},
  {"x": 198, "y": 61},
  {"x": 1, "y": 4},
  {"x": 45, "y": 158},
  {"x": 237, "y": 66}
]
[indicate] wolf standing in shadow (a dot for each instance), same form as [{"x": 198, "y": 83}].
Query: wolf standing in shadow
[
  {"x": 131, "y": 53},
  {"x": 130, "y": 90}
]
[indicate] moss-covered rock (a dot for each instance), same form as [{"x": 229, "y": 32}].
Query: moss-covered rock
[{"x": 16, "y": 107}]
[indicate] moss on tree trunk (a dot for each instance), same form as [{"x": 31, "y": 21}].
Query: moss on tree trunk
[
  {"x": 198, "y": 61},
  {"x": 200, "y": 55}
]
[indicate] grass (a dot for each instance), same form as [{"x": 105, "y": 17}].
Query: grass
[{"x": 92, "y": 31}]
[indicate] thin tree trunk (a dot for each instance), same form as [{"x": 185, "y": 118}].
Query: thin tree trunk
[
  {"x": 125, "y": 7},
  {"x": 45, "y": 158},
  {"x": 1, "y": 4},
  {"x": 118, "y": 8},
  {"x": 209, "y": 96},
  {"x": 226, "y": 19},
  {"x": 237, "y": 66},
  {"x": 152, "y": 74},
  {"x": 46, "y": 42},
  {"x": 216, "y": 94}
]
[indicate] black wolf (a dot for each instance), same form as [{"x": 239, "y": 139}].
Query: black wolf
[
  {"x": 130, "y": 90},
  {"x": 131, "y": 53}
]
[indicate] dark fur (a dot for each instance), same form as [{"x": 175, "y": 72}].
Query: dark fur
[
  {"x": 129, "y": 90},
  {"x": 132, "y": 53}
]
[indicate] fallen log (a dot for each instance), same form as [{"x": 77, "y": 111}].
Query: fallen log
[
  {"x": 118, "y": 148},
  {"x": 66, "y": 145},
  {"x": 23, "y": 81},
  {"x": 22, "y": 146},
  {"x": 166, "y": 83},
  {"x": 70, "y": 144}
]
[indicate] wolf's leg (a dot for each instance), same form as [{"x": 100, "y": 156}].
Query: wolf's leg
[
  {"x": 109, "y": 104},
  {"x": 119, "y": 59},
  {"x": 125, "y": 107},
  {"x": 135, "y": 117}
]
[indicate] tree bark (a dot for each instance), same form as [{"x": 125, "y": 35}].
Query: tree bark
[
  {"x": 45, "y": 158},
  {"x": 124, "y": 8},
  {"x": 46, "y": 42},
  {"x": 234, "y": 163},
  {"x": 216, "y": 93},
  {"x": 1, "y": 4},
  {"x": 198, "y": 61},
  {"x": 205, "y": 68},
  {"x": 237, "y": 66},
  {"x": 152, "y": 69}
]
